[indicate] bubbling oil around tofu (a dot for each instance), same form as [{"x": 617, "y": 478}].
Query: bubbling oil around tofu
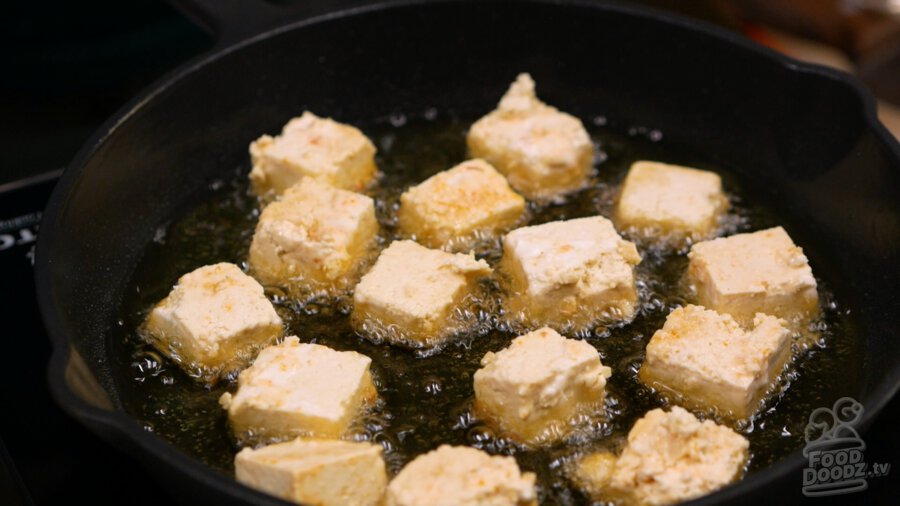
[{"x": 426, "y": 399}]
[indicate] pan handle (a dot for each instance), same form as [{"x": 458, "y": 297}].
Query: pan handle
[{"x": 230, "y": 21}]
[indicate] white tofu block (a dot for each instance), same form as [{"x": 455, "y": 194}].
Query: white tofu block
[
  {"x": 570, "y": 274},
  {"x": 542, "y": 151},
  {"x": 669, "y": 200},
  {"x": 309, "y": 146},
  {"x": 409, "y": 295},
  {"x": 672, "y": 457},
  {"x": 315, "y": 238},
  {"x": 456, "y": 203},
  {"x": 295, "y": 389},
  {"x": 708, "y": 361},
  {"x": 761, "y": 272},
  {"x": 213, "y": 322},
  {"x": 316, "y": 472},
  {"x": 461, "y": 476},
  {"x": 534, "y": 390}
]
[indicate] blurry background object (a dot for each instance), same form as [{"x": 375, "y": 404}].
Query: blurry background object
[
  {"x": 858, "y": 36},
  {"x": 69, "y": 65},
  {"x": 861, "y": 37}
]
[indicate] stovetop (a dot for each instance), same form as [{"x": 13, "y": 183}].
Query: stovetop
[
  {"x": 67, "y": 67},
  {"x": 86, "y": 60},
  {"x": 45, "y": 456}
]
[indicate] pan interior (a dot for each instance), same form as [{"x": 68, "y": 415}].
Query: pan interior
[{"x": 427, "y": 400}]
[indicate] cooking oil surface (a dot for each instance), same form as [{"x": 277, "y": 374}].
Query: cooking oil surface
[{"x": 426, "y": 399}]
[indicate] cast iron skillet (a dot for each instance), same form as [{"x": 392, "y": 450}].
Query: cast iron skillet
[{"x": 803, "y": 137}]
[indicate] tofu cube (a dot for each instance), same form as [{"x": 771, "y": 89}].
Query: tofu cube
[
  {"x": 295, "y": 389},
  {"x": 461, "y": 476},
  {"x": 543, "y": 152},
  {"x": 316, "y": 238},
  {"x": 319, "y": 148},
  {"x": 457, "y": 203},
  {"x": 672, "y": 457},
  {"x": 708, "y": 361},
  {"x": 761, "y": 272},
  {"x": 535, "y": 390},
  {"x": 570, "y": 274},
  {"x": 316, "y": 471},
  {"x": 213, "y": 322},
  {"x": 669, "y": 200},
  {"x": 409, "y": 296},
  {"x": 593, "y": 472}
]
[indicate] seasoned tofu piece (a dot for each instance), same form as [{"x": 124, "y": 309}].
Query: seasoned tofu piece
[
  {"x": 409, "y": 296},
  {"x": 670, "y": 457},
  {"x": 316, "y": 471},
  {"x": 593, "y": 472},
  {"x": 761, "y": 272},
  {"x": 319, "y": 148},
  {"x": 314, "y": 239},
  {"x": 669, "y": 200},
  {"x": 295, "y": 389},
  {"x": 213, "y": 322},
  {"x": 570, "y": 274},
  {"x": 542, "y": 151},
  {"x": 457, "y": 203},
  {"x": 461, "y": 476},
  {"x": 534, "y": 390},
  {"x": 708, "y": 361}
]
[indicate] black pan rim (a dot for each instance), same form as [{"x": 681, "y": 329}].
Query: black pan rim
[{"x": 123, "y": 428}]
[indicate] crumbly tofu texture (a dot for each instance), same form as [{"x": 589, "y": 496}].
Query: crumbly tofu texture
[
  {"x": 669, "y": 200},
  {"x": 409, "y": 295},
  {"x": 315, "y": 238},
  {"x": 295, "y": 389},
  {"x": 760, "y": 272},
  {"x": 316, "y": 471},
  {"x": 456, "y": 203},
  {"x": 542, "y": 151},
  {"x": 708, "y": 361},
  {"x": 461, "y": 476},
  {"x": 319, "y": 148},
  {"x": 570, "y": 274},
  {"x": 536, "y": 388},
  {"x": 670, "y": 457},
  {"x": 213, "y": 322}
]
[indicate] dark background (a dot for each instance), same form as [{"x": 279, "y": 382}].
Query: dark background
[{"x": 67, "y": 66}]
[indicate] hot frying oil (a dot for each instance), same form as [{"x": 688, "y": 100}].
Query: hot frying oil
[{"x": 426, "y": 399}]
